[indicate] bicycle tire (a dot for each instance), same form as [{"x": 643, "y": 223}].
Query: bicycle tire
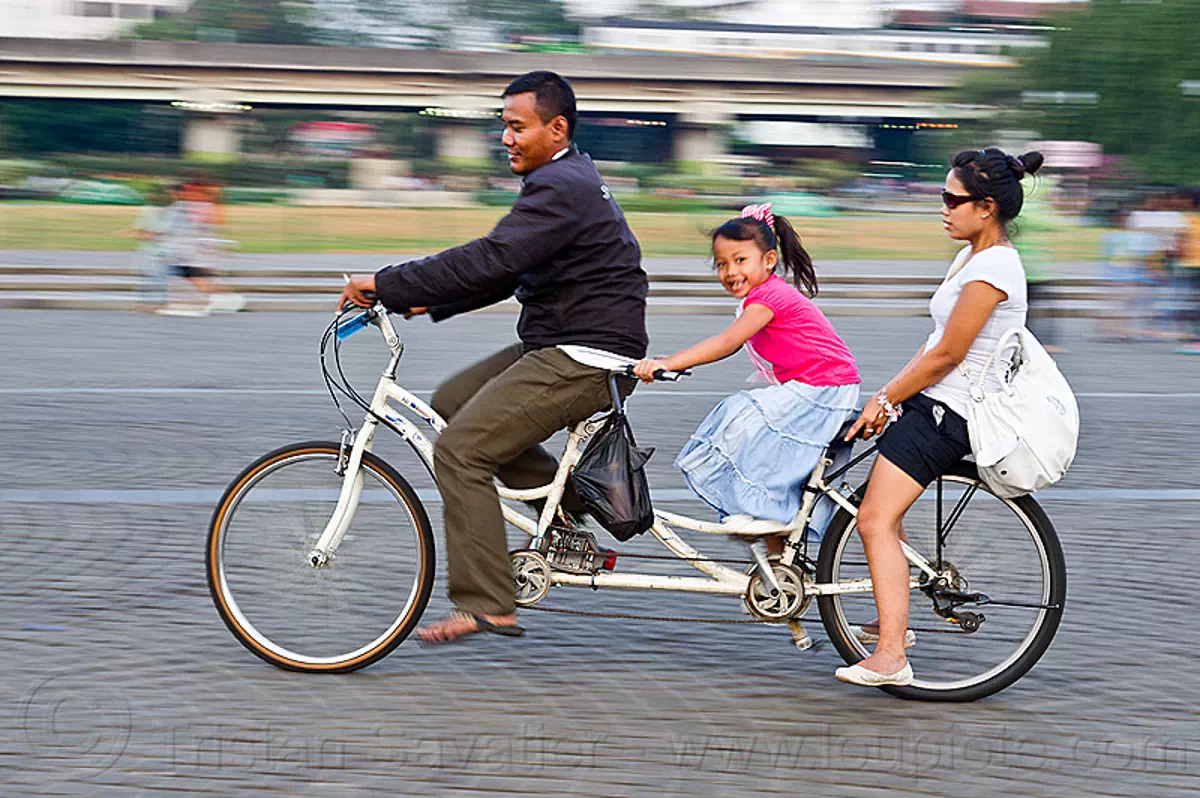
[
  {"x": 1036, "y": 643},
  {"x": 227, "y": 606}
]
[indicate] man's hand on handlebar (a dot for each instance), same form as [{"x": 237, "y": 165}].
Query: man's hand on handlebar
[
  {"x": 360, "y": 291},
  {"x": 645, "y": 368}
]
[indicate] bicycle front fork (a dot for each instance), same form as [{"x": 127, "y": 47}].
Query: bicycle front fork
[{"x": 349, "y": 467}]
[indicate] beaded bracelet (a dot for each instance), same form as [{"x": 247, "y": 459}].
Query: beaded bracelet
[{"x": 889, "y": 409}]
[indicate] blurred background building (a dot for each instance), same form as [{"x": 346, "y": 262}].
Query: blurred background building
[{"x": 81, "y": 19}]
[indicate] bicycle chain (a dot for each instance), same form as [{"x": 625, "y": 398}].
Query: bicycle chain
[
  {"x": 628, "y": 617},
  {"x": 673, "y": 558},
  {"x": 726, "y": 621},
  {"x": 664, "y": 618}
]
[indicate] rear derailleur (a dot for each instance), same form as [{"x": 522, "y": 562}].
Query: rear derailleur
[{"x": 947, "y": 598}]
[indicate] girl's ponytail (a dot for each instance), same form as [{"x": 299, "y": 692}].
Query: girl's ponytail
[{"x": 794, "y": 258}]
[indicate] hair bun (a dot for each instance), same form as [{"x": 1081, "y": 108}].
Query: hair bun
[{"x": 1027, "y": 164}]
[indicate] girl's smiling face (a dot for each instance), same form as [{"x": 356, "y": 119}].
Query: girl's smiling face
[{"x": 741, "y": 265}]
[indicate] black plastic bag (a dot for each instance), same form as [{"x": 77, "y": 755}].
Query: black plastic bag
[{"x": 610, "y": 479}]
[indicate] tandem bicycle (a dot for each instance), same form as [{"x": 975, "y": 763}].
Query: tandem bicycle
[{"x": 320, "y": 555}]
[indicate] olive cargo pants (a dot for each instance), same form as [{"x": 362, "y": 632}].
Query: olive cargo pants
[{"x": 499, "y": 410}]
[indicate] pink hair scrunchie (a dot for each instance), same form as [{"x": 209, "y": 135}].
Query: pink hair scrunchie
[{"x": 760, "y": 212}]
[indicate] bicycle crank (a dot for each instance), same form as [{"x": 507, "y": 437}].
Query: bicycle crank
[
  {"x": 531, "y": 576},
  {"x": 776, "y": 596}
]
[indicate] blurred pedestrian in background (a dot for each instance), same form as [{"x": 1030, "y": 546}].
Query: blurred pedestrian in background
[
  {"x": 1121, "y": 265},
  {"x": 1165, "y": 226},
  {"x": 1034, "y": 236},
  {"x": 189, "y": 242},
  {"x": 1189, "y": 271},
  {"x": 148, "y": 258}
]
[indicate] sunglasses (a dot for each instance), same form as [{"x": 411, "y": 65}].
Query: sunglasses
[{"x": 952, "y": 201}]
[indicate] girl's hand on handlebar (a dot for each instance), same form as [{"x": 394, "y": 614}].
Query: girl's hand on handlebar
[
  {"x": 360, "y": 290},
  {"x": 645, "y": 368},
  {"x": 870, "y": 422}
]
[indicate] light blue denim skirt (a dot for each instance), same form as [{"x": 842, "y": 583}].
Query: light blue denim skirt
[{"x": 755, "y": 450}]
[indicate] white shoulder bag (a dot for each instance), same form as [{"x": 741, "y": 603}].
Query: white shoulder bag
[{"x": 1023, "y": 436}]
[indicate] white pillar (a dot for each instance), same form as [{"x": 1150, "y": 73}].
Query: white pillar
[
  {"x": 462, "y": 142},
  {"x": 698, "y": 143},
  {"x": 212, "y": 137},
  {"x": 700, "y": 138}
]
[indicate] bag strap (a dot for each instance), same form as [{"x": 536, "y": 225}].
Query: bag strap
[{"x": 993, "y": 362}]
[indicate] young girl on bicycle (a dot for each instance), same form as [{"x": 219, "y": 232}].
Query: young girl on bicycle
[{"x": 752, "y": 454}]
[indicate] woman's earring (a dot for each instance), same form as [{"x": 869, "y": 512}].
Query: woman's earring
[{"x": 986, "y": 215}]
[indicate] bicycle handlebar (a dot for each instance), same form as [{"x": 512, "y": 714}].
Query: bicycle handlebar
[
  {"x": 371, "y": 315},
  {"x": 662, "y": 375}
]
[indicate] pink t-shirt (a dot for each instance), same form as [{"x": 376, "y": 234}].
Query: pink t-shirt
[{"x": 799, "y": 342}]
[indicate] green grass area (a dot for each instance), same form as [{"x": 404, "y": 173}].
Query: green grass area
[{"x": 284, "y": 229}]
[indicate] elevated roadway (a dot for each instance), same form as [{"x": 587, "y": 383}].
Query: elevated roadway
[{"x": 696, "y": 88}]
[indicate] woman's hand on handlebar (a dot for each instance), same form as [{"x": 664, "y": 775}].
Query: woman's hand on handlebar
[
  {"x": 645, "y": 368},
  {"x": 360, "y": 291},
  {"x": 870, "y": 422}
]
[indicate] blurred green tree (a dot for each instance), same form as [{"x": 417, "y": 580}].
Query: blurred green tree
[
  {"x": 1122, "y": 67},
  {"x": 543, "y": 18},
  {"x": 80, "y": 126},
  {"x": 250, "y": 21}
]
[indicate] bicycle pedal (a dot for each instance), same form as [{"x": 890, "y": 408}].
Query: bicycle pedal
[{"x": 801, "y": 639}]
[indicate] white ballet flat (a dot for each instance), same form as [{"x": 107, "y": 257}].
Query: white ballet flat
[
  {"x": 857, "y": 674},
  {"x": 190, "y": 311},
  {"x": 226, "y": 303},
  {"x": 745, "y": 525},
  {"x": 870, "y": 638}
]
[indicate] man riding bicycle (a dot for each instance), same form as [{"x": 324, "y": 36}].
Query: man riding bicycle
[{"x": 567, "y": 254}]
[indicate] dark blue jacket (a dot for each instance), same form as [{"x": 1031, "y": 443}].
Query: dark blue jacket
[{"x": 565, "y": 252}]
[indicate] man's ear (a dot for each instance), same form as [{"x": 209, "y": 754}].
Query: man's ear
[{"x": 560, "y": 128}]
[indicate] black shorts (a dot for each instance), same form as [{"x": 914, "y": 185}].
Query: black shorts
[{"x": 927, "y": 441}]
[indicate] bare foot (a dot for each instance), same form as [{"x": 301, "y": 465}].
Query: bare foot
[{"x": 461, "y": 624}]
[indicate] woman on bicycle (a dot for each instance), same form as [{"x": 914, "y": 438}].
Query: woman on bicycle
[
  {"x": 755, "y": 449},
  {"x": 983, "y": 295}
]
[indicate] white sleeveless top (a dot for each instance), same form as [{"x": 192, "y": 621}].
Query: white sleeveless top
[{"x": 1000, "y": 267}]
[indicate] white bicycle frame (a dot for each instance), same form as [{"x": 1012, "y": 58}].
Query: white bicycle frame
[{"x": 718, "y": 579}]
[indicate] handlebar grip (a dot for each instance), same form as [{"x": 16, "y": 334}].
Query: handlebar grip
[
  {"x": 362, "y": 320},
  {"x": 662, "y": 375}
]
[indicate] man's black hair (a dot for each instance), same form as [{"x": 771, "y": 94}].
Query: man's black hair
[{"x": 555, "y": 97}]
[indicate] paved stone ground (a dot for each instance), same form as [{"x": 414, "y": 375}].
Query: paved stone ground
[{"x": 117, "y": 677}]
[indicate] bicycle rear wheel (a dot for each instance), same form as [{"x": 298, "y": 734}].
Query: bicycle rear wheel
[
  {"x": 1005, "y": 549},
  {"x": 345, "y": 614}
]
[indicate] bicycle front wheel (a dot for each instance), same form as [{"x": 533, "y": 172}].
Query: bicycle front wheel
[
  {"x": 1004, "y": 553},
  {"x": 347, "y": 613}
]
